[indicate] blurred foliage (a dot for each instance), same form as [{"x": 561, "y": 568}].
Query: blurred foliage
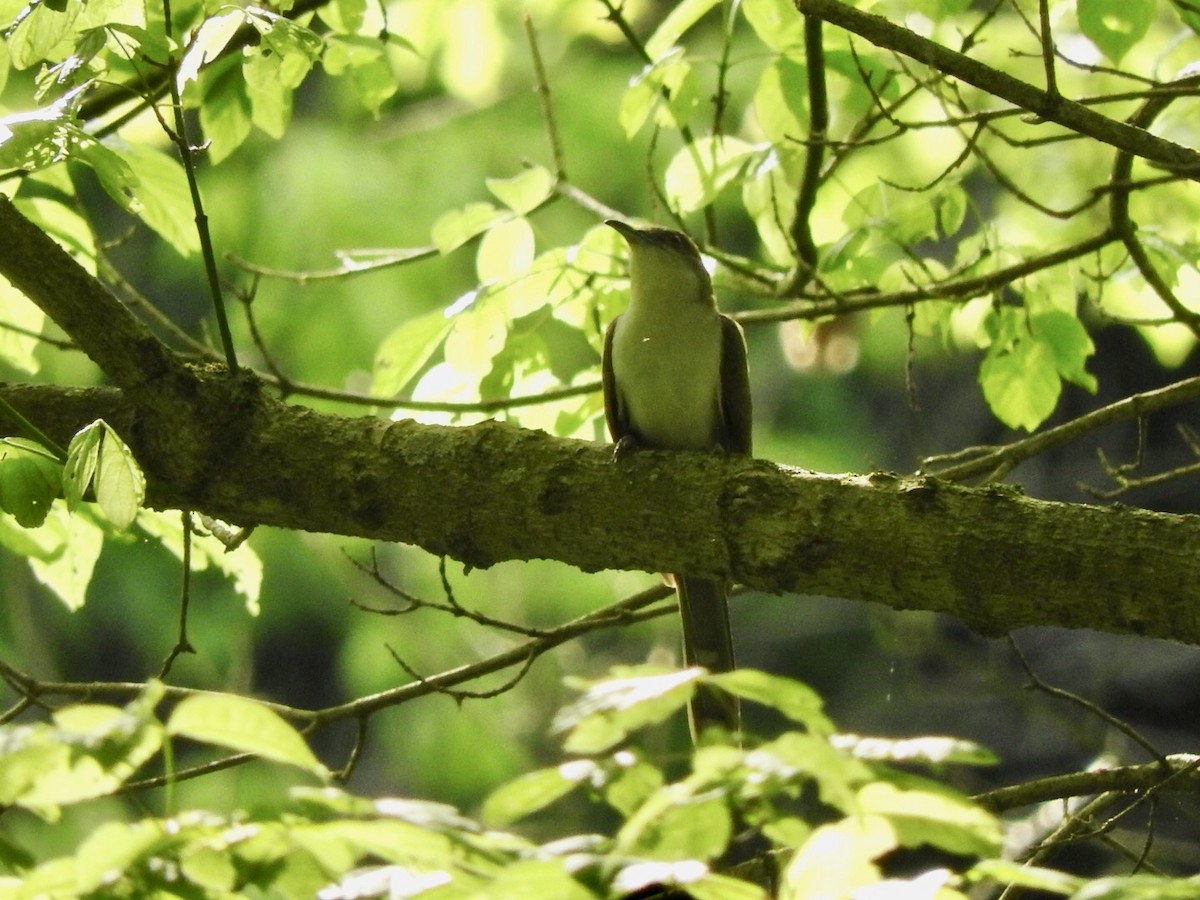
[{"x": 410, "y": 234}]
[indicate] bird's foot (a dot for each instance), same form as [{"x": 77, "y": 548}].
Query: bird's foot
[{"x": 625, "y": 446}]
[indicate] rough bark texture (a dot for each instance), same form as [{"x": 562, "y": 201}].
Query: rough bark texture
[{"x": 224, "y": 445}]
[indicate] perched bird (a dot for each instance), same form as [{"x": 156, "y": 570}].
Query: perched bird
[{"x": 675, "y": 378}]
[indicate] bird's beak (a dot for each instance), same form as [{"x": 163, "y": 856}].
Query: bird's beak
[{"x": 626, "y": 230}]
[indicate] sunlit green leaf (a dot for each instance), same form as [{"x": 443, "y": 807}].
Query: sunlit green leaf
[
  {"x": 683, "y": 15},
  {"x": 31, "y": 477},
  {"x": 476, "y": 336},
  {"x": 935, "y": 816},
  {"x": 1022, "y": 874},
  {"x": 506, "y": 251},
  {"x": 208, "y": 44},
  {"x": 157, "y": 193},
  {"x": 455, "y": 228},
  {"x": 797, "y": 701},
  {"x": 535, "y": 880},
  {"x": 1070, "y": 344},
  {"x": 930, "y": 750},
  {"x": 111, "y": 848},
  {"x": 75, "y": 541},
  {"x": 674, "y": 825},
  {"x": 39, "y": 33},
  {"x": 407, "y": 350},
  {"x": 776, "y": 23},
  {"x": 98, "y": 459},
  {"x": 241, "y": 565},
  {"x": 1115, "y": 26},
  {"x": 666, "y": 89},
  {"x": 634, "y": 782},
  {"x": 244, "y": 725},
  {"x": 17, "y": 344},
  {"x": 779, "y": 100},
  {"x": 534, "y": 791},
  {"x": 839, "y": 859},
  {"x": 795, "y": 756},
  {"x": 1021, "y": 384},
  {"x": 702, "y": 168},
  {"x": 523, "y": 193},
  {"x": 38, "y": 139},
  {"x": 610, "y": 709},
  {"x": 363, "y": 61},
  {"x": 225, "y": 112},
  {"x": 210, "y": 868}
]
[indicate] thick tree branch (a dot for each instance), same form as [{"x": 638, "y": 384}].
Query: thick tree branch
[
  {"x": 117, "y": 342},
  {"x": 493, "y": 492}
]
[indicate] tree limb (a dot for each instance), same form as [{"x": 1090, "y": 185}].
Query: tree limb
[
  {"x": 226, "y": 446},
  {"x": 1052, "y": 107}
]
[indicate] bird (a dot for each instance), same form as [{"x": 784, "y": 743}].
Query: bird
[{"x": 675, "y": 377}]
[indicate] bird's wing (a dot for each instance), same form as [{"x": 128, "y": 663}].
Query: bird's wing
[
  {"x": 614, "y": 414},
  {"x": 736, "y": 410}
]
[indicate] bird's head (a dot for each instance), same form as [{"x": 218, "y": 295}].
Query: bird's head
[{"x": 664, "y": 263}]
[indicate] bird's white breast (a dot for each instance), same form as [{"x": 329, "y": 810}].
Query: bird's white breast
[{"x": 667, "y": 365}]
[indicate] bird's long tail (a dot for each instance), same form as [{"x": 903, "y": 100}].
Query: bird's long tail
[{"x": 708, "y": 642}]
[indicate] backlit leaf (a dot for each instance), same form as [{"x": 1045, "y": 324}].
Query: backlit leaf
[{"x": 244, "y": 725}]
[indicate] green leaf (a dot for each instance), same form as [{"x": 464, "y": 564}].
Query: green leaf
[
  {"x": 1006, "y": 872},
  {"x": 1070, "y": 343},
  {"x": 113, "y": 848},
  {"x": 671, "y": 75},
  {"x": 17, "y": 345},
  {"x": 40, "y": 33},
  {"x": 610, "y": 709},
  {"x": 31, "y": 477},
  {"x": 243, "y": 725},
  {"x": 97, "y": 458},
  {"x": 905, "y": 217},
  {"x": 797, "y": 701},
  {"x": 1115, "y": 26},
  {"x": 675, "y": 825},
  {"x": 936, "y": 816},
  {"x": 693, "y": 877},
  {"x": 776, "y": 22},
  {"x": 930, "y": 750},
  {"x": 633, "y": 783},
  {"x": 454, "y": 228},
  {"x": 1139, "y": 887},
  {"x": 1021, "y": 385},
  {"x": 534, "y": 791},
  {"x": 241, "y": 565},
  {"x": 766, "y": 194},
  {"x": 525, "y": 192},
  {"x": 270, "y": 99},
  {"x": 38, "y": 139},
  {"x": 225, "y": 114},
  {"x": 407, "y": 350},
  {"x": 208, "y": 43},
  {"x": 779, "y": 100},
  {"x": 478, "y": 334},
  {"x": 73, "y": 543},
  {"x": 683, "y": 15},
  {"x": 506, "y": 251},
  {"x": 838, "y": 859},
  {"x": 120, "y": 484},
  {"x": 795, "y": 756},
  {"x": 535, "y": 880},
  {"x": 702, "y": 168},
  {"x": 363, "y": 60},
  {"x": 160, "y": 196}
]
